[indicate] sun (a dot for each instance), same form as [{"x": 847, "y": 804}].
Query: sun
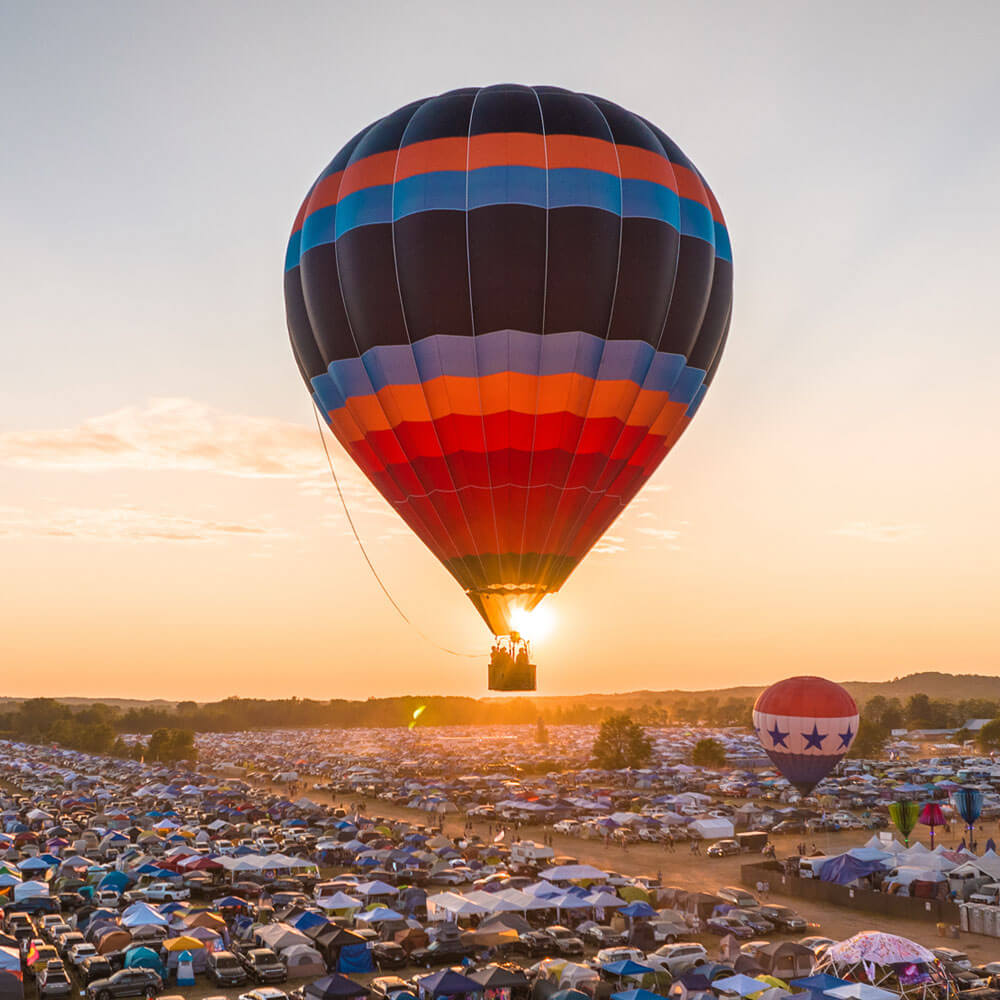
[{"x": 534, "y": 625}]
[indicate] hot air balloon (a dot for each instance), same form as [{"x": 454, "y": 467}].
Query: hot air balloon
[
  {"x": 508, "y": 303},
  {"x": 969, "y": 803},
  {"x": 806, "y": 725},
  {"x": 931, "y": 816},
  {"x": 904, "y": 814}
]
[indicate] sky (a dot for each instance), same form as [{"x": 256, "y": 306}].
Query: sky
[{"x": 167, "y": 522}]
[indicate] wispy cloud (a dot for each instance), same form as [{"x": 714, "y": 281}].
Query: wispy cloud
[
  {"x": 872, "y": 531},
  {"x": 128, "y": 524},
  {"x": 170, "y": 434},
  {"x": 608, "y": 545}
]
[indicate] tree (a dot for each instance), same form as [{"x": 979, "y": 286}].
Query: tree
[
  {"x": 621, "y": 743},
  {"x": 989, "y": 736},
  {"x": 708, "y": 753},
  {"x": 171, "y": 745},
  {"x": 870, "y": 740}
]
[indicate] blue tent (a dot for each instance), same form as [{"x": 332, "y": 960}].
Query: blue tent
[
  {"x": 638, "y": 908},
  {"x": 355, "y": 958},
  {"x": 636, "y": 995},
  {"x": 817, "y": 985},
  {"x": 626, "y": 967},
  {"x": 844, "y": 869},
  {"x": 144, "y": 958}
]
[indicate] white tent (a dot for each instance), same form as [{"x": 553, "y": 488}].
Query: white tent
[{"x": 712, "y": 828}]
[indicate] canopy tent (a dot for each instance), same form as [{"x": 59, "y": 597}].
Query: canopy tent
[
  {"x": 861, "y": 991},
  {"x": 740, "y": 985}
]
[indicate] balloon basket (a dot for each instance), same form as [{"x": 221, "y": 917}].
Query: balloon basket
[{"x": 512, "y": 677}]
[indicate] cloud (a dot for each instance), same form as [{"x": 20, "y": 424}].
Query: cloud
[
  {"x": 663, "y": 534},
  {"x": 872, "y": 531},
  {"x": 608, "y": 545},
  {"x": 127, "y": 524},
  {"x": 170, "y": 434}
]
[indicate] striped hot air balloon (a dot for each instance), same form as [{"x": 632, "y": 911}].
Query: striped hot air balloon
[
  {"x": 508, "y": 303},
  {"x": 806, "y": 725}
]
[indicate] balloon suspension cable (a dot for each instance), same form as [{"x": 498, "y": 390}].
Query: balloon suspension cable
[{"x": 364, "y": 553}]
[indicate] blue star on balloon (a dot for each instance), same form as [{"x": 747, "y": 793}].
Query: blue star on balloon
[
  {"x": 845, "y": 738},
  {"x": 777, "y": 737},
  {"x": 814, "y": 740}
]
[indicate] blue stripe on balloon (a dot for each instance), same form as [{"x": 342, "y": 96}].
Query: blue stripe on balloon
[
  {"x": 649, "y": 200},
  {"x": 804, "y": 769},
  {"x": 723, "y": 248},
  {"x": 696, "y": 220},
  {"x": 294, "y": 251},
  {"x": 510, "y": 351},
  {"x": 445, "y": 190}
]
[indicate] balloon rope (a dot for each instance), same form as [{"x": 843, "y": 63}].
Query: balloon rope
[{"x": 364, "y": 552}]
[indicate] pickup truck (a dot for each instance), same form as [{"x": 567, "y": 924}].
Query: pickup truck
[{"x": 166, "y": 892}]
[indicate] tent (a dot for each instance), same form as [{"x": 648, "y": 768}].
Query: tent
[
  {"x": 303, "y": 962},
  {"x": 861, "y": 991},
  {"x": 335, "y": 987},
  {"x": 786, "y": 959},
  {"x": 496, "y": 977},
  {"x": 144, "y": 958},
  {"x": 817, "y": 985},
  {"x": 742, "y": 986},
  {"x": 712, "y": 828},
  {"x": 447, "y": 983}
]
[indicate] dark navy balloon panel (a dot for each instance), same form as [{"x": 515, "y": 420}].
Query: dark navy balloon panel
[
  {"x": 508, "y": 304},
  {"x": 806, "y": 725}
]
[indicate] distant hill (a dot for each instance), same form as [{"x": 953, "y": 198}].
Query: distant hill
[{"x": 949, "y": 687}]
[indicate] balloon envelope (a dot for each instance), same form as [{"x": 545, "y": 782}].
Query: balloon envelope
[
  {"x": 969, "y": 803},
  {"x": 805, "y": 725},
  {"x": 904, "y": 814},
  {"x": 508, "y": 303}
]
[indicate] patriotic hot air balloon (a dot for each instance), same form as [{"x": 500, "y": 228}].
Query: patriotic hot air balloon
[
  {"x": 508, "y": 303},
  {"x": 806, "y": 725}
]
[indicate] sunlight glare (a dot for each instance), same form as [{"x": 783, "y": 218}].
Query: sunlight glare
[{"x": 534, "y": 625}]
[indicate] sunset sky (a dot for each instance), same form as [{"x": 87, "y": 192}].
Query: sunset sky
[{"x": 168, "y": 526}]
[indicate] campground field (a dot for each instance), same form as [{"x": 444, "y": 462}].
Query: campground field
[{"x": 689, "y": 871}]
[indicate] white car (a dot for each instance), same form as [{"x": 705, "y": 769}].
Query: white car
[
  {"x": 677, "y": 958},
  {"x": 566, "y": 826},
  {"x": 608, "y": 955},
  {"x": 166, "y": 892}
]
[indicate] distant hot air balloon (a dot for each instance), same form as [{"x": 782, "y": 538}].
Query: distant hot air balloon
[
  {"x": 806, "y": 725},
  {"x": 904, "y": 814},
  {"x": 931, "y": 816},
  {"x": 508, "y": 303},
  {"x": 969, "y": 803}
]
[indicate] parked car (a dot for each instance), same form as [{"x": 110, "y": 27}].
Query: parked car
[
  {"x": 66, "y": 942},
  {"x": 817, "y": 945},
  {"x": 389, "y": 955},
  {"x": 79, "y": 953},
  {"x": 166, "y": 892},
  {"x": 757, "y": 923},
  {"x": 789, "y": 826},
  {"x": 53, "y": 981},
  {"x": 608, "y": 955},
  {"x": 95, "y": 967},
  {"x": 442, "y": 953},
  {"x": 602, "y": 936},
  {"x": 127, "y": 983},
  {"x": 783, "y": 917},
  {"x": 389, "y": 987},
  {"x": 52, "y": 932},
  {"x": 263, "y": 966},
  {"x": 264, "y": 993},
  {"x": 669, "y": 931},
  {"x": 723, "y": 849},
  {"x": 534, "y": 944},
  {"x": 565, "y": 941},
  {"x": 957, "y": 958},
  {"x": 737, "y": 896},
  {"x": 729, "y": 925},
  {"x": 224, "y": 969},
  {"x": 677, "y": 958}
]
